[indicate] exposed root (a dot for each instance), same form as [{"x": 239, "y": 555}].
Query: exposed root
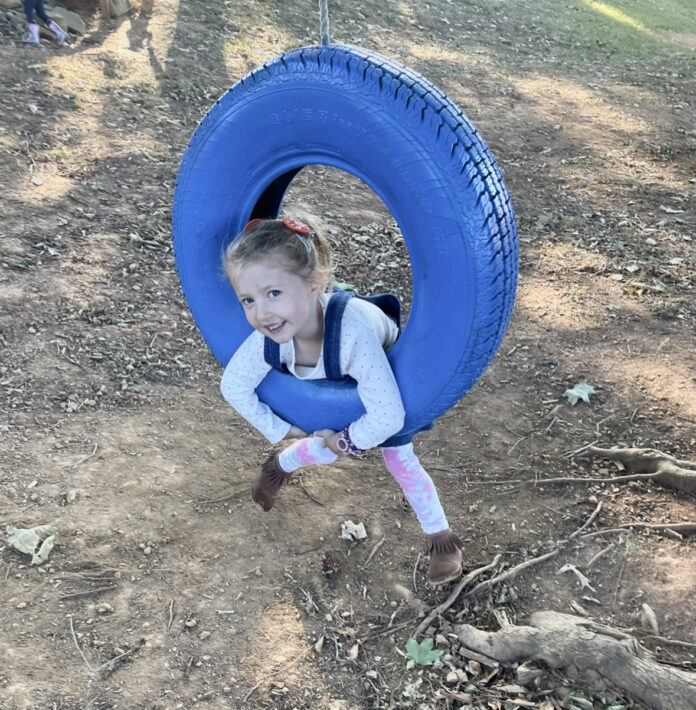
[
  {"x": 669, "y": 471},
  {"x": 598, "y": 653}
]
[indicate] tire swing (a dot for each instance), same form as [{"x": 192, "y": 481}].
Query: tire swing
[{"x": 363, "y": 113}]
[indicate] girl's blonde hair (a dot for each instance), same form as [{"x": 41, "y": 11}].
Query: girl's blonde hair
[{"x": 297, "y": 252}]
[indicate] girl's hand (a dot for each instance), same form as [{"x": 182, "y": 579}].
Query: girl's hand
[
  {"x": 329, "y": 437},
  {"x": 295, "y": 433}
]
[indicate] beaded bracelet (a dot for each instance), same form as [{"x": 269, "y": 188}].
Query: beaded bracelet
[{"x": 345, "y": 444}]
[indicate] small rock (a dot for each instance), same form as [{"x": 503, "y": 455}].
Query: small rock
[
  {"x": 474, "y": 667},
  {"x": 204, "y": 635},
  {"x": 104, "y": 608},
  {"x": 527, "y": 674},
  {"x": 452, "y": 678},
  {"x": 21, "y": 605},
  {"x": 147, "y": 550},
  {"x": 441, "y": 641}
]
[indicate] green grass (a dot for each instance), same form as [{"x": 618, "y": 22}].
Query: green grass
[{"x": 628, "y": 30}]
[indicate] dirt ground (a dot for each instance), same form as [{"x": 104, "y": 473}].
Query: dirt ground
[{"x": 113, "y": 427}]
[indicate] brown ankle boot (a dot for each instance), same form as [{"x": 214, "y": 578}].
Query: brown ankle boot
[
  {"x": 445, "y": 553},
  {"x": 268, "y": 483}
]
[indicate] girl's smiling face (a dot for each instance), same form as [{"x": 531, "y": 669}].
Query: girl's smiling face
[{"x": 279, "y": 303}]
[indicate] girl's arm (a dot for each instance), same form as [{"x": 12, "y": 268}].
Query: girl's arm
[
  {"x": 243, "y": 374},
  {"x": 363, "y": 358}
]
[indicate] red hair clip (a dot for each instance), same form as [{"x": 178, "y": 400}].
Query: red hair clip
[
  {"x": 251, "y": 224},
  {"x": 297, "y": 226}
]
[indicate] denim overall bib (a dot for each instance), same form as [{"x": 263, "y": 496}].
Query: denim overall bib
[{"x": 388, "y": 303}]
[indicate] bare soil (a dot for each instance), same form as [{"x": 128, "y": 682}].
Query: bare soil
[{"x": 113, "y": 426}]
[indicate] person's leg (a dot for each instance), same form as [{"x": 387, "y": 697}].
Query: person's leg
[
  {"x": 278, "y": 469},
  {"x": 41, "y": 11},
  {"x": 419, "y": 489},
  {"x": 29, "y": 10},
  {"x": 305, "y": 452},
  {"x": 33, "y": 36}
]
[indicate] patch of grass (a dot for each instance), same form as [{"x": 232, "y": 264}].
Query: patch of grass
[
  {"x": 61, "y": 153},
  {"x": 627, "y": 30}
]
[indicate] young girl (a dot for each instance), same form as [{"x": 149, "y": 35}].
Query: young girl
[
  {"x": 31, "y": 6},
  {"x": 280, "y": 270}
]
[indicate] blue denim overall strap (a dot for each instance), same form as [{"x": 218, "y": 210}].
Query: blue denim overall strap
[{"x": 333, "y": 319}]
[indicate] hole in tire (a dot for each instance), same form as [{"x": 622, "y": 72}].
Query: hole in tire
[{"x": 368, "y": 248}]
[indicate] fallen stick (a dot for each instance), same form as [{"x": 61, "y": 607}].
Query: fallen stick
[
  {"x": 225, "y": 497},
  {"x": 109, "y": 667},
  {"x": 681, "y": 528},
  {"x": 512, "y": 572},
  {"x": 373, "y": 552},
  {"x": 90, "y": 593},
  {"x": 442, "y": 608}
]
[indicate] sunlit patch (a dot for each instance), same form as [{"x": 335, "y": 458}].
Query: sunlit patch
[{"x": 619, "y": 16}]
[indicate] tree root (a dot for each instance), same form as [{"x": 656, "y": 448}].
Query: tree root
[
  {"x": 598, "y": 653},
  {"x": 669, "y": 471}
]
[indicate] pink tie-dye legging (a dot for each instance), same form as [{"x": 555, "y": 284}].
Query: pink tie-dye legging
[{"x": 401, "y": 462}]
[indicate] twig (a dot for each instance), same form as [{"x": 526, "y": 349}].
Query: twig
[
  {"x": 171, "y": 614},
  {"x": 84, "y": 458},
  {"x": 600, "y": 554},
  {"x": 90, "y": 593},
  {"x": 519, "y": 441},
  {"x": 442, "y": 608},
  {"x": 672, "y": 642},
  {"x": 225, "y": 497},
  {"x": 391, "y": 630},
  {"x": 681, "y": 528},
  {"x": 512, "y": 572},
  {"x": 67, "y": 358},
  {"x": 109, "y": 667},
  {"x": 602, "y": 422},
  {"x": 588, "y": 522},
  {"x": 618, "y": 583},
  {"x": 615, "y": 479},
  {"x": 570, "y": 454},
  {"x": 415, "y": 569},
  {"x": 309, "y": 495},
  {"x": 553, "y": 421},
  {"x": 373, "y": 552},
  {"x": 280, "y": 670},
  {"x": 77, "y": 645}
]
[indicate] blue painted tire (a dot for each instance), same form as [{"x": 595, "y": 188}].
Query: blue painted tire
[{"x": 365, "y": 114}]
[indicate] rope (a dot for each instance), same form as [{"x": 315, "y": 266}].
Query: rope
[{"x": 324, "y": 14}]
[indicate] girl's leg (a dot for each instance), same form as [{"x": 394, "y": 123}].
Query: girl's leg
[
  {"x": 404, "y": 466},
  {"x": 444, "y": 546},
  {"x": 305, "y": 452},
  {"x": 278, "y": 469}
]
